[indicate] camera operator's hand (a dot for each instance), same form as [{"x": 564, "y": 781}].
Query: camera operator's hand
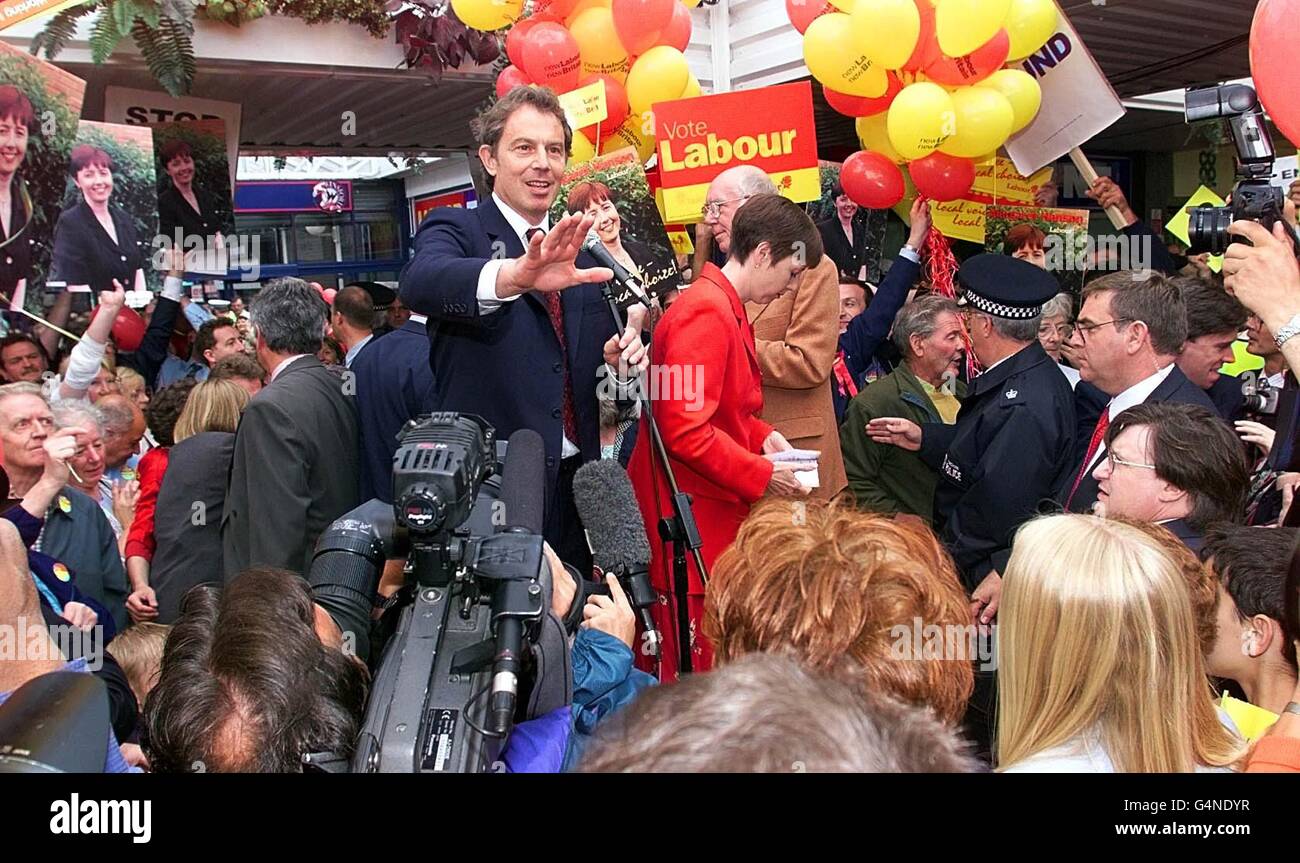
[
  {"x": 1293, "y": 195},
  {"x": 1106, "y": 193},
  {"x": 611, "y": 614},
  {"x": 563, "y": 585},
  {"x": 1264, "y": 275}
]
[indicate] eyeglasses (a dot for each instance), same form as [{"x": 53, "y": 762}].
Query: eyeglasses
[
  {"x": 713, "y": 209},
  {"x": 1085, "y": 330},
  {"x": 1062, "y": 330},
  {"x": 1114, "y": 460}
]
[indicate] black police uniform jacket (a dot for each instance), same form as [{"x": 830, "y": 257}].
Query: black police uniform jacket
[{"x": 1008, "y": 451}]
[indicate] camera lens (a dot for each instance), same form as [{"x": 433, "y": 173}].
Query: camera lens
[{"x": 1207, "y": 230}]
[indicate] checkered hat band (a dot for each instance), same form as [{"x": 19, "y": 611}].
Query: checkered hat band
[{"x": 998, "y": 310}]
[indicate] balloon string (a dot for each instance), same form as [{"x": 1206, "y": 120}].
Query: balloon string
[{"x": 941, "y": 270}]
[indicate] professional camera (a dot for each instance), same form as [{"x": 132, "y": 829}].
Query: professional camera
[
  {"x": 1254, "y": 198},
  {"x": 471, "y": 621},
  {"x": 1261, "y": 396}
]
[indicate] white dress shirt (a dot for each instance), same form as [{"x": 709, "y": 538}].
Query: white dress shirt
[
  {"x": 284, "y": 364},
  {"x": 1131, "y": 397}
]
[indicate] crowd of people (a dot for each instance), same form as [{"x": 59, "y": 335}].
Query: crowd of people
[{"x": 1012, "y": 529}]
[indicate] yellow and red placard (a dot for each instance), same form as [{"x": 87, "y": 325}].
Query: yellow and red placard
[
  {"x": 771, "y": 128},
  {"x": 996, "y": 182},
  {"x": 13, "y": 11}
]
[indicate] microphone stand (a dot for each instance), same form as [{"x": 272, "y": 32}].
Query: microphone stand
[{"x": 680, "y": 528}]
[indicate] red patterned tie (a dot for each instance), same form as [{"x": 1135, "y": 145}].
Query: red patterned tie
[
  {"x": 556, "y": 312},
  {"x": 1098, "y": 435}
]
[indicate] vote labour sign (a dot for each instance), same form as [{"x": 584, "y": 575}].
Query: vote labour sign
[{"x": 771, "y": 128}]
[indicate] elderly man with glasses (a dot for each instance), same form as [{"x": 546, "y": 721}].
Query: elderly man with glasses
[{"x": 1127, "y": 337}]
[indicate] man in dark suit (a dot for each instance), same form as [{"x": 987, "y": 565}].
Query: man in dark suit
[
  {"x": 394, "y": 385},
  {"x": 1127, "y": 337},
  {"x": 295, "y": 465},
  {"x": 518, "y": 328},
  {"x": 1215, "y": 318},
  {"x": 1178, "y": 465}
]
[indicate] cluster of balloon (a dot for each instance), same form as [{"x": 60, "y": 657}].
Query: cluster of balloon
[
  {"x": 636, "y": 48},
  {"x": 1273, "y": 65},
  {"x": 933, "y": 85}
]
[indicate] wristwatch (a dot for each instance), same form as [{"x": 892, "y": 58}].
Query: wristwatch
[{"x": 1288, "y": 332}]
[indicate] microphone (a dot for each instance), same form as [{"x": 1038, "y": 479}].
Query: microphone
[
  {"x": 523, "y": 482},
  {"x": 606, "y": 505},
  {"x": 632, "y": 291},
  {"x": 55, "y": 723},
  {"x": 523, "y": 499}
]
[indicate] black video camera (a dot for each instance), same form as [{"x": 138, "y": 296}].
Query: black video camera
[
  {"x": 470, "y": 623},
  {"x": 1254, "y": 198}
]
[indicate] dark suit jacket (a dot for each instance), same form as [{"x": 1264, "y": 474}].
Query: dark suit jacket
[
  {"x": 295, "y": 470},
  {"x": 848, "y": 257},
  {"x": 505, "y": 366},
  {"x": 84, "y": 253},
  {"x": 1089, "y": 402},
  {"x": 175, "y": 212},
  {"x": 19, "y": 246},
  {"x": 394, "y": 384},
  {"x": 189, "y": 554}
]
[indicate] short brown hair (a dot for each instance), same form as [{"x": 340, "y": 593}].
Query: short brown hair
[
  {"x": 779, "y": 222},
  {"x": 14, "y": 105},
  {"x": 1195, "y": 451},
  {"x": 85, "y": 155},
  {"x": 1023, "y": 236},
  {"x": 1210, "y": 309},
  {"x": 173, "y": 149},
  {"x": 489, "y": 126},
  {"x": 356, "y": 307},
  {"x": 1148, "y": 297},
  {"x": 237, "y": 367},
  {"x": 585, "y": 193},
  {"x": 828, "y": 584},
  {"x": 139, "y": 650}
]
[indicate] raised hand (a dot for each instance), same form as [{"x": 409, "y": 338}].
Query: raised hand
[{"x": 548, "y": 263}]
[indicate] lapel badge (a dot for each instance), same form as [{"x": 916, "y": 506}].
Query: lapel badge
[
  {"x": 65, "y": 505},
  {"x": 1012, "y": 393}
]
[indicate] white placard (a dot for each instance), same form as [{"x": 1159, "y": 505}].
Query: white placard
[{"x": 143, "y": 107}]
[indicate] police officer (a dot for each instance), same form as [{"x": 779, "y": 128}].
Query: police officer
[{"x": 1012, "y": 443}]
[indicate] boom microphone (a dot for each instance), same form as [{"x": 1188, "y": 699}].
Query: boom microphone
[
  {"x": 602, "y": 493},
  {"x": 523, "y": 482},
  {"x": 632, "y": 291}
]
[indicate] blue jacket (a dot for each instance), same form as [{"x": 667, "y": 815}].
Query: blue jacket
[
  {"x": 56, "y": 580},
  {"x": 604, "y": 680},
  {"x": 505, "y": 366},
  {"x": 869, "y": 329},
  {"x": 394, "y": 384}
]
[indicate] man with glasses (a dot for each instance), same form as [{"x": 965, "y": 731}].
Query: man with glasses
[
  {"x": 796, "y": 337},
  {"x": 1127, "y": 337},
  {"x": 1173, "y": 464}
]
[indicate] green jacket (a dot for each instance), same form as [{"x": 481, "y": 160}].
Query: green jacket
[{"x": 885, "y": 478}]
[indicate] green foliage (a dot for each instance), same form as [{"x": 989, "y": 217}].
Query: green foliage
[
  {"x": 45, "y": 167},
  {"x": 134, "y": 186},
  {"x": 104, "y": 36},
  {"x": 60, "y": 30},
  {"x": 211, "y": 169},
  {"x": 824, "y": 207},
  {"x": 370, "y": 14}
]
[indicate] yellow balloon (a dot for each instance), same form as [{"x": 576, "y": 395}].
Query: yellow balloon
[
  {"x": 1021, "y": 90},
  {"x": 831, "y": 50},
  {"x": 920, "y": 120},
  {"x": 693, "y": 88},
  {"x": 1030, "y": 23},
  {"x": 637, "y": 131},
  {"x": 598, "y": 43},
  {"x": 873, "y": 135},
  {"x": 887, "y": 30},
  {"x": 964, "y": 25},
  {"x": 488, "y": 14},
  {"x": 983, "y": 118},
  {"x": 658, "y": 75},
  {"x": 583, "y": 6},
  {"x": 690, "y": 4},
  {"x": 844, "y": 5},
  {"x": 582, "y": 151}
]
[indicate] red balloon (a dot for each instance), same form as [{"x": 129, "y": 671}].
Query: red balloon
[
  {"x": 558, "y": 10},
  {"x": 516, "y": 38},
  {"x": 927, "y": 47},
  {"x": 941, "y": 177},
  {"x": 1273, "y": 64},
  {"x": 551, "y": 57},
  {"x": 616, "y": 103},
  {"x": 861, "y": 106},
  {"x": 975, "y": 66},
  {"x": 328, "y": 295},
  {"x": 128, "y": 329},
  {"x": 678, "y": 32},
  {"x": 872, "y": 180},
  {"x": 804, "y": 12},
  {"x": 639, "y": 22},
  {"x": 510, "y": 78}
]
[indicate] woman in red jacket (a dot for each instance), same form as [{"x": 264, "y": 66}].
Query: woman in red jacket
[{"x": 707, "y": 396}]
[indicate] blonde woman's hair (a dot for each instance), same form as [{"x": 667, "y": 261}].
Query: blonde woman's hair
[
  {"x": 139, "y": 650},
  {"x": 212, "y": 406},
  {"x": 1097, "y": 634},
  {"x": 129, "y": 380}
]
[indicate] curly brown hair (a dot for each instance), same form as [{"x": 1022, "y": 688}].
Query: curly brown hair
[
  {"x": 829, "y": 584},
  {"x": 165, "y": 408}
]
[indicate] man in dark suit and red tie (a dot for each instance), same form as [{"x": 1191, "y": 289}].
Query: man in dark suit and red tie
[{"x": 517, "y": 325}]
